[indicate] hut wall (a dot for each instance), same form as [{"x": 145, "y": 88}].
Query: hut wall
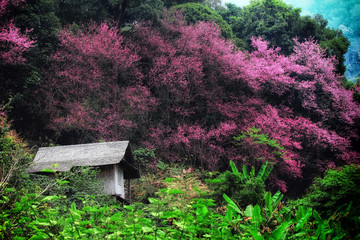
[{"x": 113, "y": 177}]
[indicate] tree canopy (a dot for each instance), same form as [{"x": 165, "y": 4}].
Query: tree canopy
[
  {"x": 174, "y": 82},
  {"x": 279, "y": 23}
]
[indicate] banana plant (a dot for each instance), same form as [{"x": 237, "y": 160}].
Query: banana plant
[
  {"x": 272, "y": 220},
  {"x": 263, "y": 173}
]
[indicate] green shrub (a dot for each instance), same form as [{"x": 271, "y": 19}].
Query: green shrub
[
  {"x": 14, "y": 154},
  {"x": 243, "y": 187},
  {"x": 75, "y": 185},
  {"x": 145, "y": 159},
  {"x": 337, "y": 188},
  {"x": 337, "y": 191}
]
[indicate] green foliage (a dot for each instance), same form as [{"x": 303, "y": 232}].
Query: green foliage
[
  {"x": 255, "y": 136},
  {"x": 243, "y": 187},
  {"x": 81, "y": 11},
  {"x": 148, "y": 10},
  {"x": 336, "y": 196},
  {"x": 145, "y": 158},
  {"x": 14, "y": 155},
  {"x": 195, "y": 12},
  {"x": 337, "y": 188},
  {"x": 79, "y": 183},
  {"x": 272, "y": 219},
  {"x": 37, "y": 218},
  {"x": 177, "y": 212},
  {"x": 279, "y": 23}
]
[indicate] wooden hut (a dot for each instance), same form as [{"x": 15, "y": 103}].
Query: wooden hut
[{"x": 114, "y": 159}]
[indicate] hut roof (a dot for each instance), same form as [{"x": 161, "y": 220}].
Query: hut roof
[{"x": 63, "y": 158}]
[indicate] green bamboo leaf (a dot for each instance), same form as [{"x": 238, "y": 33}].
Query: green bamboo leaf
[
  {"x": 343, "y": 235},
  {"x": 42, "y": 222}
]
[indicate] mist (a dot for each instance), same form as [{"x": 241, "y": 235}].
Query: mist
[{"x": 343, "y": 15}]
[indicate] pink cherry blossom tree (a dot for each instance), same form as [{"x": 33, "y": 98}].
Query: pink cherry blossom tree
[
  {"x": 13, "y": 43},
  {"x": 186, "y": 92}
]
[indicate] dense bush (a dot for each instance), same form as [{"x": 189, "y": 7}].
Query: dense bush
[
  {"x": 14, "y": 155},
  {"x": 336, "y": 191},
  {"x": 244, "y": 188},
  {"x": 75, "y": 185},
  {"x": 337, "y": 188},
  {"x": 195, "y": 218}
]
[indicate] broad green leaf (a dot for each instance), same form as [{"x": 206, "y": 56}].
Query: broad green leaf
[
  {"x": 48, "y": 170},
  {"x": 130, "y": 208},
  {"x": 202, "y": 211},
  {"x": 252, "y": 172},
  {"x": 229, "y": 215},
  {"x": 280, "y": 232},
  {"x": 249, "y": 211},
  {"x": 299, "y": 212},
  {"x": 262, "y": 170},
  {"x": 175, "y": 191},
  {"x": 257, "y": 214},
  {"x": 268, "y": 202},
  {"x": 317, "y": 216},
  {"x": 147, "y": 229},
  {"x": 39, "y": 236},
  {"x": 153, "y": 200},
  {"x": 246, "y": 175},
  {"x": 267, "y": 172},
  {"x": 277, "y": 198},
  {"x": 169, "y": 180},
  {"x": 49, "y": 198},
  {"x": 235, "y": 170},
  {"x": 304, "y": 219},
  {"x": 116, "y": 217},
  {"x": 321, "y": 232},
  {"x": 256, "y": 235},
  {"x": 61, "y": 182},
  {"x": 232, "y": 205}
]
